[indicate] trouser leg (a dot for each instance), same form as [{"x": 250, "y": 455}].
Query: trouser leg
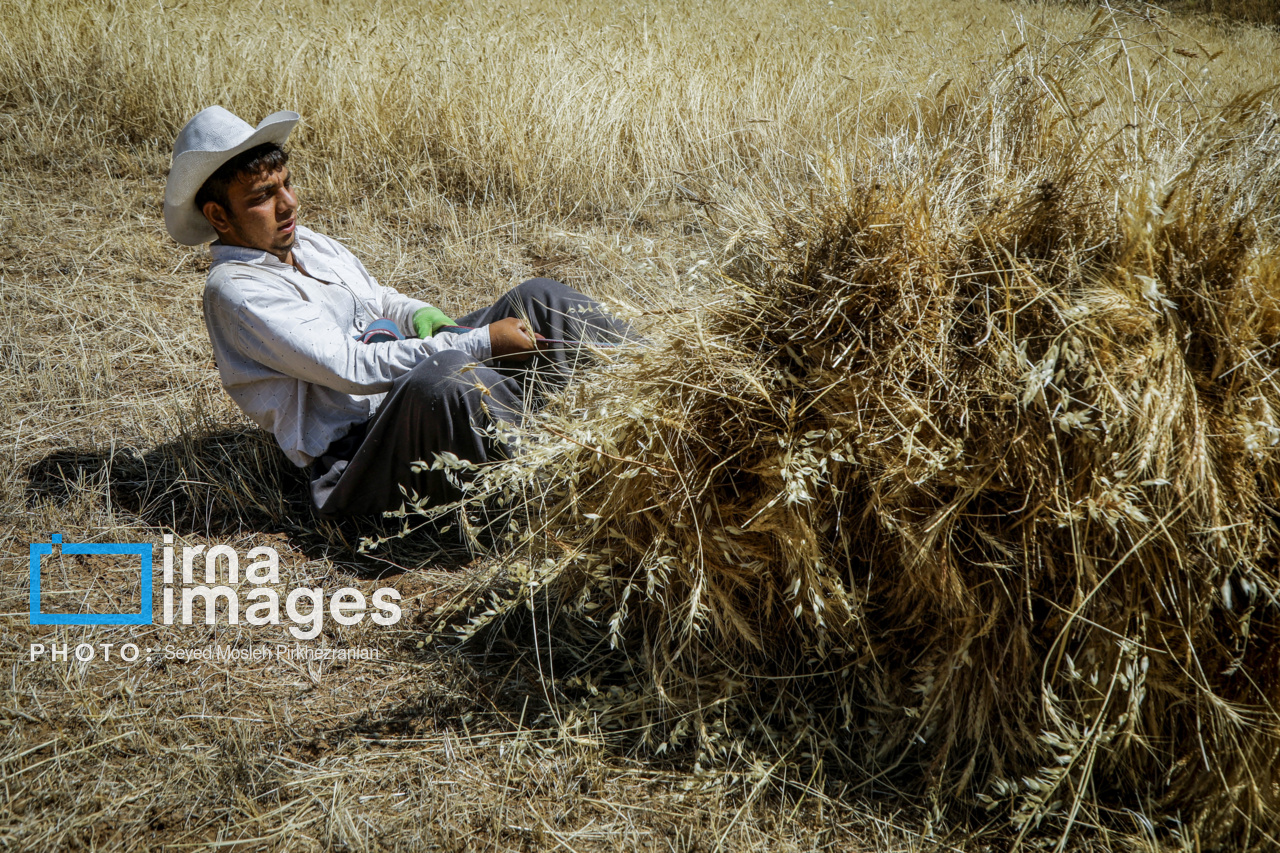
[
  {"x": 558, "y": 312},
  {"x": 442, "y": 405}
]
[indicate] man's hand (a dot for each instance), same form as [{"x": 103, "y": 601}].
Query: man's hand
[{"x": 512, "y": 338}]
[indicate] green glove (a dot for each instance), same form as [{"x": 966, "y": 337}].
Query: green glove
[{"x": 427, "y": 321}]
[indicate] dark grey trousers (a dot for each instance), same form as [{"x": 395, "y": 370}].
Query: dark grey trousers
[{"x": 447, "y": 402}]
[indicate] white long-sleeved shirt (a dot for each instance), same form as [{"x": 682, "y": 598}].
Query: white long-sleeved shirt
[{"x": 285, "y": 344}]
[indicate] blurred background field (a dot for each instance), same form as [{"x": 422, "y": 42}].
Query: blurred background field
[{"x": 631, "y": 150}]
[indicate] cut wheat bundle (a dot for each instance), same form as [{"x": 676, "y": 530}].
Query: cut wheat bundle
[{"x": 966, "y": 482}]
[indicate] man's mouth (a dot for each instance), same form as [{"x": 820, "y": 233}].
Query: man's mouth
[{"x": 288, "y": 227}]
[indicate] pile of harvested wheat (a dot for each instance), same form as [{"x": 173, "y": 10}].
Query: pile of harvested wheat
[{"x": 966, "y": 483}]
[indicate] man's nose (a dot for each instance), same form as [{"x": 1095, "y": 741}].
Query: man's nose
[{"x": 287, "y": 200}]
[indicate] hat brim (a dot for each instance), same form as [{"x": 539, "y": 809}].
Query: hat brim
[{"x": 191, "y": 169}]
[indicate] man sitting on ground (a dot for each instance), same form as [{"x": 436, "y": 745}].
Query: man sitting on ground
[{"x": 354, "y": 379}]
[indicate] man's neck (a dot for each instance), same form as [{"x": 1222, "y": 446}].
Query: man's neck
[{"x": 286, "y": 258}]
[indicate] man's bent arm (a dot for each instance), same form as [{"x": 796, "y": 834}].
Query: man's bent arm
[{"x": 274, "y": 328}]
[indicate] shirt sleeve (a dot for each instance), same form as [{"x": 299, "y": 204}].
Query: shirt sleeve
[
  {"x": 395, "y": 306},
  {"x": 399, "y": 309},
  {"x": 292, "y": 336}
]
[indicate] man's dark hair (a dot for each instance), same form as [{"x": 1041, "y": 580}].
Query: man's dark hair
[{"x": 260, "y": 159}]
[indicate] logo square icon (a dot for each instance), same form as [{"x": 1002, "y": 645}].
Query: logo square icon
[{"x": 39, "y": 549}]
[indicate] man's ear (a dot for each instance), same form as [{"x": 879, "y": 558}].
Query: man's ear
[{"x": 217, "y": 216}]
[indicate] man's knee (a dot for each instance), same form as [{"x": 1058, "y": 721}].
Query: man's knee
[{"x": 542, "y": 291}]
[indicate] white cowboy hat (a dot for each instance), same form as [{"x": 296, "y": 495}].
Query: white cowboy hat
[{"x": 210, "y": 139}]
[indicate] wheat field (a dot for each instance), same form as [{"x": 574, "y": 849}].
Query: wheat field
[{"x": 643, "y": 153}]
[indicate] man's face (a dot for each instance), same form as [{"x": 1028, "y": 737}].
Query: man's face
[{"x": 261, "y": 214}]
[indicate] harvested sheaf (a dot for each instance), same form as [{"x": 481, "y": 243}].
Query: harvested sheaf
[{"x": 965, "y": 483}]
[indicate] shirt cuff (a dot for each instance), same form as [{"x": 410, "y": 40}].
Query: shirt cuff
[
  {"x": 477, "y": 343},
  {"x": 474, "y": 343},
  {"x": 411, "y": 307}
]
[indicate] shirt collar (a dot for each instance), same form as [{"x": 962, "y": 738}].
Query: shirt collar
[{"x": 222, "y": 253}]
